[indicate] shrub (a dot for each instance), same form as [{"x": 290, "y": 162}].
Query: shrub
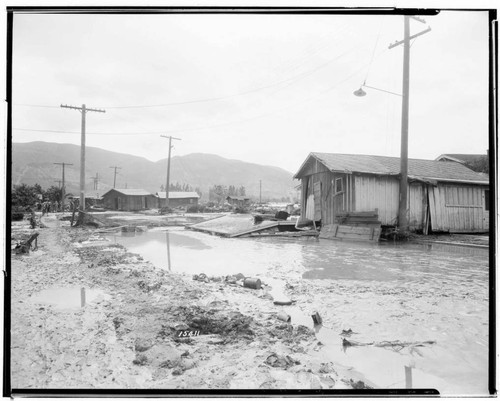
[
  {"x": 196, "y": 209},
  {"x": 17, "y": 216}
]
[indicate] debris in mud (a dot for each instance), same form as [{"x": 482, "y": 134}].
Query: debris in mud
[
  {"x": 277, "y": 361},
  {"x": 397, "y": 345},
  {"x": 26, "y": 246},
  {"x": 140, "y": 360},
  {"x": 253, "y": 283},
  {"x": 149, "y": 287},
  {"x": 359, "y": 385},
  {"x": 317, "y": 318},
  {"x": 201, "y": 277},
  {"x": 326, "y": 368},
  {"x": 283, "y": 302},
  {"x": 347, "y": 333},
  {"x": 284, "y": 317}
]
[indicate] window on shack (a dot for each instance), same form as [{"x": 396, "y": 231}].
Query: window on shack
[{"x": 339, "y": 187}]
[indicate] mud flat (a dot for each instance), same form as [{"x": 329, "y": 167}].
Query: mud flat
[
  {"x": 125, "y": 336},
  {"x": 418, "y": 308}
]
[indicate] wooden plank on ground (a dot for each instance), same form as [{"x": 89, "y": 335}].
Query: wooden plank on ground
[
  {"x": 254, "y": 230},
  {"x": 339, "y": 231}
]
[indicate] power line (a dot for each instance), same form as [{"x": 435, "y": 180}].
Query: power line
[
  {"x": 193, "y": 129},
  {"x": 292, "y": 79},
  {"x": 35, "y": 105}
]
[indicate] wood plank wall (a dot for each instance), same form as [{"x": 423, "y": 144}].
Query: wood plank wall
[
  {"x": 374, "y": 192},
  {"x": 458, "y": 208}
]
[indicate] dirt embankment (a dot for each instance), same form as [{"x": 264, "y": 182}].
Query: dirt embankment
[{"x": 127, "y": 337}]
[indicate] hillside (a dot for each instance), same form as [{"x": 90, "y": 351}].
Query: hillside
[{"x": 33, "y": 162}]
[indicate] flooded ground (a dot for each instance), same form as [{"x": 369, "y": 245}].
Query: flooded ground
[{"x": 386, "y": 294}]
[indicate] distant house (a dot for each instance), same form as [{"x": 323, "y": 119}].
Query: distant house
[
  {"x": 479, "y": 163},
  {"x": 442, "y": 196},
  {"x": 129, "y": 199},
  {"x": 238, "y": 201},
  {"x": 176, "y": 199},
  {"x": 93, "y": 200}
]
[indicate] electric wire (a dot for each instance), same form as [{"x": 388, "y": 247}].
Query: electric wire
[
  {"x": 292, "y": 79},
  {"x": 194, "y": 129},
  {"x": 374, "y": 48}
]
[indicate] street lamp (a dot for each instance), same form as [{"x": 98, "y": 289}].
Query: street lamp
[{"x": 361, "y": 93}]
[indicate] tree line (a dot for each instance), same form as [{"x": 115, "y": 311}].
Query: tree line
[
  {"x": 219, "y": 193},
  {"x": 177, "y": 187},
  {"x": 24, "y": 195}
]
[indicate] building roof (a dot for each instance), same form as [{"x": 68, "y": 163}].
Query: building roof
[
  {"x": 177, "y": 195},
  {"x": 131, "y": 192},
  {"x": 462, "y": 158},
  {"x": 383, "y": 165}
]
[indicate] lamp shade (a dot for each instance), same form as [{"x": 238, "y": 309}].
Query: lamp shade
[{"x": 359, "y": 93}]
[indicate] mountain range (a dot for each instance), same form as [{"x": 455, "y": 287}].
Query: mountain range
[{"x": 33, "y": 162}]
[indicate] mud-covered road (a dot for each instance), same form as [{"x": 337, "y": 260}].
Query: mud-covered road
[
  {"x": 405, "y": 310},
  {"x": 125, "y": 337}
]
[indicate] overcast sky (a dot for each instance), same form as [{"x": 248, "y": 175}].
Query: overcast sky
[{"x": 266, "y": 89}]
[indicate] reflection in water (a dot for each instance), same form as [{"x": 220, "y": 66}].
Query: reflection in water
[
  {"x": 68, "y": 297},
  {"x": 167, "y": 233}
]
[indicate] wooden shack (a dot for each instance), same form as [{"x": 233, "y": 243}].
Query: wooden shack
[
  {"x": 238, "y": 201},
  {"x": 177, "y": 199},
  {"x": 129, "y": 199},
  {"x": 442, "y": 196}
]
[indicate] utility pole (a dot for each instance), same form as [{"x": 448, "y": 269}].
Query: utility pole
[
  {"x": 84, "y": 111},
  {"x": 168, "y": 165},
  {"x": 403, "y": 185},
  {"x": 114, "y": 180},
  {"x": 260, "y": 192},
  {"x": 96, "y": 181},
  {"x": 63, "y": 193}
]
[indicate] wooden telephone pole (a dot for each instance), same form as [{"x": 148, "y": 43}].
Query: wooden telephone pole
[
  {"x": 403, "y": 185},
  {"x": 84, "y": 111},
  {"x": 168, "y": 166},
  {"x": 63, "y": 192},
  {"x": 114, "y": 179}
]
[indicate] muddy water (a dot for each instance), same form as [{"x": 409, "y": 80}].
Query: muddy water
[{"x": 384, "y": 292}]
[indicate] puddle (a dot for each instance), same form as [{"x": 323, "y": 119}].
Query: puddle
[
  {"x": 68, "y": 297},
  {"x": 432, "y": 282}
]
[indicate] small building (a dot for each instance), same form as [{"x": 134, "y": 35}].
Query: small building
[
  {"x": 93, "y": 200},
  {"x": 129, "y": 199},
  {"x": 442, "y": 196},
  {"x": 177, "y": 199},
  {"x": 238, "y": 201}
]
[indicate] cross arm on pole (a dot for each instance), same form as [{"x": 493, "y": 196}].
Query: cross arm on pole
[
  {"x": 400, "y": 42},
  {"x": 171, "y": 137},
  {"x": 65, "y": 106},
  {"x": 96, "y": 110}
]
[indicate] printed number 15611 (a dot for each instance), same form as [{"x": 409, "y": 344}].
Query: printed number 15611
[{"x": 188, "y": 333}]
